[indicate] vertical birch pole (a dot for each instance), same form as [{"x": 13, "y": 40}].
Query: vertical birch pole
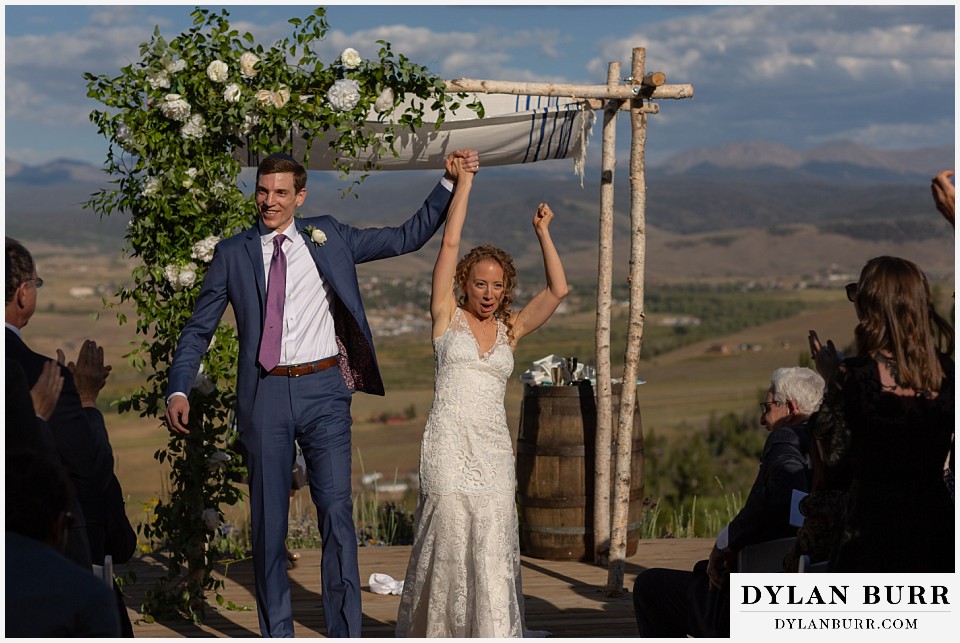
[
  {"x": 638, "y": 191},
  {"x": 604, "y": 438}
]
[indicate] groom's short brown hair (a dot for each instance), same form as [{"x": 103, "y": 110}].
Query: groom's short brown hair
[{"x": 281, "y": 163}]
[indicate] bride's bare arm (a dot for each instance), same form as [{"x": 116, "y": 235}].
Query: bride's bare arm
[
  {"x": 442, "y": 302},
  {"x": 543, "y": 305}
]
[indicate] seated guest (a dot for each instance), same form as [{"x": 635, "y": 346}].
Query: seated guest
[
  {"x": 27, "y": 412},
  {"x": 676, "y": 603},
  {"x": 47, "y": 595},
  {"x": 75, "y": 423}
]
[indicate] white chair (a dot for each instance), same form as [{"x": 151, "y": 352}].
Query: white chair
[
  {"x": 105, "y": 571},
  {"x": 806, "y": 567},
  {"x": 764, "y": 557}
]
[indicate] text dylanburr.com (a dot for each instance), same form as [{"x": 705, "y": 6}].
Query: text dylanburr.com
[{"x": 845, "y": 606}]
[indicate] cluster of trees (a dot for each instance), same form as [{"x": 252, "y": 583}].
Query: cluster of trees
[{"x": 704, "y": 470}]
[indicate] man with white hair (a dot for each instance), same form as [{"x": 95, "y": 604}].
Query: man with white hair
[{"x": 676, "y": 603}]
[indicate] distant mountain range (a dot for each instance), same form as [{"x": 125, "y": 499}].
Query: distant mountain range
[
  {"x": 834, "y": 160},
  {"x": 864, "y": 201}
]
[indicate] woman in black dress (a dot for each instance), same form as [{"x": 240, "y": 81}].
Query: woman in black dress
[{"x": 885, "y": 433}]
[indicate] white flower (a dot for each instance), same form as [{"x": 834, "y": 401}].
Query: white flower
[
  {"x": 281, "y": 96},
  {"x": 175, "y": 107},
  {"x": 193, "y": 128},
  {"x": 278, "y": 98},
  {"x": 151, "y": 186},
  {"x": 219, "y": 188},
  {"x": 250, "y": 120},
  {"x": 231, "y": 93},
  {"x": 247, "y": 62},
  {"x": 350, "y": 58},
  {"x": 217, "y": 460},
  {"x": 125, "y": 137},
  {"x": 213, "y": 340},
  {"x": 316, "y": 235},
  {"x": 172, "y": 274},
  {"x": 159, "y": 80},
  {"x": 264, "y": 97},
  {"x": 173, "y": 66},
  {"x": 203, "y": 249},
  {"x": 188, "y": 275},
  {"x": 217, "y": 71},
  {"x": 191, "y": 173},
  {"x": 344, "y": 95},
  {"x": 211, "y": 518},
  {"x": 384, "y": 101}
]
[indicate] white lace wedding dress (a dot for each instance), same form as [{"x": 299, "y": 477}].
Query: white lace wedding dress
[{"x": 463, "y": 578}]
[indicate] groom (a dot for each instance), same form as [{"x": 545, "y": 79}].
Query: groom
[{"x": 305, "y": 347}]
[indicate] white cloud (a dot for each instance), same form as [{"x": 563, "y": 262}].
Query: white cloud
[
  {"x": 874, "y": 74},
  {"x": 803, "y": 74},
  {"x": 743, "y": 45}
]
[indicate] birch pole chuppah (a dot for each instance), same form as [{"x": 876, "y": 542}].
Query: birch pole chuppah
[{"x": 642, "y": 87}]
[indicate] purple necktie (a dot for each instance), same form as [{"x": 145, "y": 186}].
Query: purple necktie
[{"x": 276, "y": 293}]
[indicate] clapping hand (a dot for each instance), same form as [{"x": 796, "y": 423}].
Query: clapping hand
[
  {"x": 826, "y": 358},
  {"x": 944, "y": 194},
  {"x": 46, "y": 392},
  {"x": 89, "y": 372}
]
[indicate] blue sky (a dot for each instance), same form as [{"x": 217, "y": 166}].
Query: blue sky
[{"x": 880, "y": 75}]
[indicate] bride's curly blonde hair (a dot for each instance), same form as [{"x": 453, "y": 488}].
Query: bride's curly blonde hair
[{"x": 505, "y": 261}]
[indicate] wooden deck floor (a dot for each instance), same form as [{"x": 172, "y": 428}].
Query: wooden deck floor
[{"x": 563, "y": 598}]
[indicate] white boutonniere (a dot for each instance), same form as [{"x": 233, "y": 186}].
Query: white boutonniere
[{"x": 316, "y": 235}]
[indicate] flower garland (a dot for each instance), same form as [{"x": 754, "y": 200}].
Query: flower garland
[{"x": 173, "y": 120}]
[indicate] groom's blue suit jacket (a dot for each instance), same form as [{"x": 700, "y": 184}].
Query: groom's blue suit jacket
[{"x": 236, "y": 276}]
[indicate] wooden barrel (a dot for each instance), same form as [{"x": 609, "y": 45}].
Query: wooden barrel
[{"x": 556, "y": 472}]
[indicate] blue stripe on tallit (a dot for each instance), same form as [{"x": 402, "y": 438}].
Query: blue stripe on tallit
[
  {"x": 570, "y": 117},
  {"x": 543, "y": 129},
  {"x": 559, "y": 137}
]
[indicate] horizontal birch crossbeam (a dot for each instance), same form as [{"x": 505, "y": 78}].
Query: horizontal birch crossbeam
[{"x": 621, "y": 92}]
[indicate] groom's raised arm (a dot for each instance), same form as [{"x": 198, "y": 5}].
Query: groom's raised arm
[{"x": 379, "y": 243}]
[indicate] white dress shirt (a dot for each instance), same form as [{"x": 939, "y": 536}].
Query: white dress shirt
[{"x": 308, "y": 331}]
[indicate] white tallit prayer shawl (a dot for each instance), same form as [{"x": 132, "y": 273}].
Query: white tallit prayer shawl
[{"x": 514, "y": 130}]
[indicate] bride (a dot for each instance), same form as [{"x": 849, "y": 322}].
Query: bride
[{"x": 463, "y": 578}]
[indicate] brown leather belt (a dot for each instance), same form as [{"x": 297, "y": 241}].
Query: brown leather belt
[{"x": 296, "y": 370}]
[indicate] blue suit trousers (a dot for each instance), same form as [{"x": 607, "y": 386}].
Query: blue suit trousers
[{"x": 314, "y": 410}]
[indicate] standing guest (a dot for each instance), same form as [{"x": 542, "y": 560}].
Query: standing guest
[
  {"x": 46, "y": 595},
  {"x": 884, "y": 432},
  {"x": 305, "y": 347},
  {"x": 671, "y": 603},
  {"x": 463, "y": 578}
]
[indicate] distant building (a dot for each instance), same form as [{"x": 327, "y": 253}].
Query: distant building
[{"x": 82, "y": 292}]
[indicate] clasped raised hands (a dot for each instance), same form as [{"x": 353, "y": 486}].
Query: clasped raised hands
[{"x": 461, "y": 162}]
